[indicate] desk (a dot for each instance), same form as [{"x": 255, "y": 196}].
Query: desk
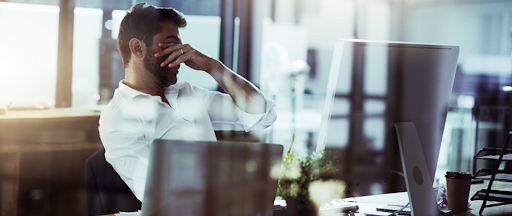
[
  {"x": 42, "y": 160},
  {"x": 369, "y": 203}
]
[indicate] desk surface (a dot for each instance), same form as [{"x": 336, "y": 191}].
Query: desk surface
[
  {"x": 60, "y": 125},
  {"x": 367, "y": 204},
  {"x": 49, "y": 114}
]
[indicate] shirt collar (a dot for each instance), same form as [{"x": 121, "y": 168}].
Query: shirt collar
[{"x": 132, "y": 93}]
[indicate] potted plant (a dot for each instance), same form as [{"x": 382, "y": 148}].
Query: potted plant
[{"x": 308, "y": 182}]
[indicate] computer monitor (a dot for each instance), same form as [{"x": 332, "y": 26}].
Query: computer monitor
[
  {"x": 211, "y": 178},
  {"x": 373, "y": 85}
]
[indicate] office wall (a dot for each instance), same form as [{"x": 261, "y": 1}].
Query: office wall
[{"x": 476, "y": 26}]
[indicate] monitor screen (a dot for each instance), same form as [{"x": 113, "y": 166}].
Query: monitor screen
[{"x": 372, "y": 85}]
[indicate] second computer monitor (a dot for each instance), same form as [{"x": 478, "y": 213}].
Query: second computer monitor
[{"x": 374, "y": 84}]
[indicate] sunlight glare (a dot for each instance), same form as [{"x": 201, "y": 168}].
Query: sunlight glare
[{"x": 28, "y": 58}]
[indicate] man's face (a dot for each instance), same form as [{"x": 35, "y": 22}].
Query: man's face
[{"x": 166, "y": 76}]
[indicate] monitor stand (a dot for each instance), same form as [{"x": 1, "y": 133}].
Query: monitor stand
[{"x": 417, "y": 178}]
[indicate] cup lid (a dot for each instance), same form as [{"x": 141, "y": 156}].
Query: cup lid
[{"x": 459, "y": 175}]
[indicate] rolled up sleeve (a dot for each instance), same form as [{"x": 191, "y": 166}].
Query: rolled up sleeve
[
  {"x": 253, "y": 122},
  {"x": 225, "y": 114}
]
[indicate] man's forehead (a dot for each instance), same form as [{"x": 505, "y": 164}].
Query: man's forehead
[{"x": 169, "y": 30}]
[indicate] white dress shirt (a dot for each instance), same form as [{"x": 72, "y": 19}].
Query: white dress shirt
[{"x": 133, "y": 119}]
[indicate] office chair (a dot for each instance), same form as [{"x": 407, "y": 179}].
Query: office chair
[{"x": 106, "y": 191}]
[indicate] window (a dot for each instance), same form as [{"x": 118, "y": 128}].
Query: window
[
  {"x": 28, "y": 58},
  {"x": 86, "y": 49}
]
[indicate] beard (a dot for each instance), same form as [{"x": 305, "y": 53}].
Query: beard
[{"x": 166, "y": 75}]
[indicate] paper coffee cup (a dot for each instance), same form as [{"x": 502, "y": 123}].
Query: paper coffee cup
[{"x": 458, "y": 185}]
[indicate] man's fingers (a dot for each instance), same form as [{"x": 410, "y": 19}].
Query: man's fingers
[
  {"x": 186, "y": 56},
  {"x": 178, "y": 56},
  {"x": 167, "y": 48},
  {"x": 174, "y": 54}
]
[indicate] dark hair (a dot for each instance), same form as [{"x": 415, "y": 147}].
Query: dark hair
[{"x": 143, "y": 22}]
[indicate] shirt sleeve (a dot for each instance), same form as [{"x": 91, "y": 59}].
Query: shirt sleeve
[
  {"x": 224, "y": 113},
  {"x": 126, "y": 149},
  {"x": 253, "y": 122}
]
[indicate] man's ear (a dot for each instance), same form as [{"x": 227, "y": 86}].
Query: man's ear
[{"x": 137, "y": 47}]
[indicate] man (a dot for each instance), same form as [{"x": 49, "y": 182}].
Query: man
[{"x": 150, "y": 104}]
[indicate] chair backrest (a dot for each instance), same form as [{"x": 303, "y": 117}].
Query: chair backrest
[{"x": 106, "y": 191}]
